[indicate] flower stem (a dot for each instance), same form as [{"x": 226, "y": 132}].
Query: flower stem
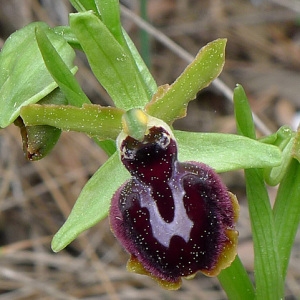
[
  {"x": 287, "y": 213},
  {"x": 236, "y": 282},
  {"x": 267, "y": 266}
]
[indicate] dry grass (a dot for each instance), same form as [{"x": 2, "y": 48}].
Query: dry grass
[{"x": 263, "y": 54}]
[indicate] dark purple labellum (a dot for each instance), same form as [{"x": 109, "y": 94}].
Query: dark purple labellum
[{"x": 174, "y": 218}]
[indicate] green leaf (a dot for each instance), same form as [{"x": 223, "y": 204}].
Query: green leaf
[
  {"x": 24, "y": 78},
  {"x": 287, "y": 213},
  {"x": 110, "y": 63},
  {"x": 93, "y": 202},
  {"x": 226, "y": 152},
  {"x": 60, "y": 71},
  {"x": 170, "y": 102},
  {"x": 94, "y": 120}
]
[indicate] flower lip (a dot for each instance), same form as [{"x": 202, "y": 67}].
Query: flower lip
[{"x": 174, "y": 218}]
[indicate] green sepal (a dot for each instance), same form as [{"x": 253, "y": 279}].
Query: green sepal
[
  {"x": 24, "y": 78},
  {"x": 170, "y": 102},
  {"x": 93, "y": 203},
  {"x": 226, "y": 152},
  {"x": 96, "y": 121},
  {"x": 110, "y": 63}
]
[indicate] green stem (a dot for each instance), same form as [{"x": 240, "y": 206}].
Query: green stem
[
  {"x": 287, "y": 213},
  {"x": 236, "y": 283},
  {"x": 267, "y": 266}
]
